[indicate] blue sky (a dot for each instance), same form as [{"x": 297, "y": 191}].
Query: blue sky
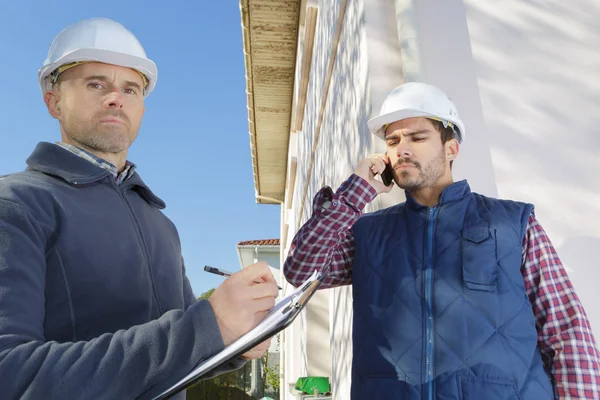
[{"x": 193, "y": 149}]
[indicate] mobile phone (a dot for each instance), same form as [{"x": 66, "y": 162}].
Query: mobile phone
[{"x": 387, "y": 176}]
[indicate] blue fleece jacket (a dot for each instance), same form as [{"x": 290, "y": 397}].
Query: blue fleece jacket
[{"x": 94, "y": 301}]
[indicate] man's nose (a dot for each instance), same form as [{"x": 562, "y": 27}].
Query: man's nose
[
  {"x": 114, "y": 99},
  {"x": 404, "y": 150}
]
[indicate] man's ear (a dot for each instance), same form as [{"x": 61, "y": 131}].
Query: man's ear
[
  {"x": 52, "y": 100},
  {"x": 452, "y": 148}
]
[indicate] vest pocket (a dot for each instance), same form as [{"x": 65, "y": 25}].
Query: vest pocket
[
  {"x": 473, "y": 388},
  {"x": 479, "y": 264}
]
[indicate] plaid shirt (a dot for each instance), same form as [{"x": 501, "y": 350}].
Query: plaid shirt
[
  {"x": 565, "y": 338},
  {"x": 86, "y": 155}
]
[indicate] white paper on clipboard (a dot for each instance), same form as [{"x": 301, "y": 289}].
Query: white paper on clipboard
[{"x": 280, "y": 316}]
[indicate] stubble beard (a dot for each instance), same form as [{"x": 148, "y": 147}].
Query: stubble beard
[
  {"x": 101, "y": 137},
  {"x": 427, "y": 176}
]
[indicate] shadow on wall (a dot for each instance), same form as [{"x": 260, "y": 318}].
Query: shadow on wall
[
  {"x": 580, "y": 258},
  {"x": 340, "y": 344},
  {"x": 345, "y": 138},
  {"x": 343, "y": 134},
  {"x": 538, "y": 76},
  {"x": 324, "y": 35},
  {"x": 317, "y": 338}
]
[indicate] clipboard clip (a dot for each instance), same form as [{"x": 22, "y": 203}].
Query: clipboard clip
[{"x": 299, "y": 300}]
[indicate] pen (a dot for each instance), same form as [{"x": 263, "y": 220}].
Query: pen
[{"x": 221, "y": 272}]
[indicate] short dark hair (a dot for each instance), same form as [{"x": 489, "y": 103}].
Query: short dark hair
[{"x": 446, "y": 133}]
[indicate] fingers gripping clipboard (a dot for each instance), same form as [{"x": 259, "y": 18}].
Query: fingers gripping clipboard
[{"x": 279, "y": 318}]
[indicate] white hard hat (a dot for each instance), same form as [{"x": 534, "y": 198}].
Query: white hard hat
[
  {"x": 417, "y": 99},
  {"x": 100, "y": 40}
]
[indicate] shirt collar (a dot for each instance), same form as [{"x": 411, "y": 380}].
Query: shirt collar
[{"x": 100, "y": 162}]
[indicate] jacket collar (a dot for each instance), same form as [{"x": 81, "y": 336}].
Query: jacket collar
[
  {"x": 54, "y": 160},
  {"x": 451, "y": 193}
]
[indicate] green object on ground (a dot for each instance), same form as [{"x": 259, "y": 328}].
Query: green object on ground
[{"x": 308, "y": 384}]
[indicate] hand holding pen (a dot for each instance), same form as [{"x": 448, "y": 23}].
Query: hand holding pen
[
  {"x": 242, "y": 301},
  {"x": 217, "y": 271}
]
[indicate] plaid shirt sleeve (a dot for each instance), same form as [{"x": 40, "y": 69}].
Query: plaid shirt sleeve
[
  {"x": 326, "y": 240},
  {"x": 565, "y": 339}
]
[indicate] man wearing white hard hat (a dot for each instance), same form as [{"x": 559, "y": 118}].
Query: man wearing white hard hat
[
  {"x": 455, "y": 295},
  {"x": 94, "y": 300}
]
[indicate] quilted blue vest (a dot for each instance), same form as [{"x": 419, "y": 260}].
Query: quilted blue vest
[{"x": 440, "y": 308}]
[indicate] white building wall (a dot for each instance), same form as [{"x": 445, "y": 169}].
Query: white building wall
[{"x": 328, "y": 11}]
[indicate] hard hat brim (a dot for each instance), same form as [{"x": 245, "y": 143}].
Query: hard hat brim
[
  {"x": 145, "y": 66},
  {"x": 376, "y": 124}
]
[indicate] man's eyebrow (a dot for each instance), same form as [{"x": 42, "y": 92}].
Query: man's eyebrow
[
  {"x": 396, "y": 135},
  {"x": 133, "y": 84},
  {"x": 104, "y": 78},
  {"x": 96, "y": 77}
]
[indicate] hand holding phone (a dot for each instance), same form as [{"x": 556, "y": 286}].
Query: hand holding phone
[
  {"x": 387, "y": 176},
  {"x": 368, "y": 169}
]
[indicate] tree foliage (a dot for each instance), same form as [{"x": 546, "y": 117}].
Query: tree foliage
[{"x": 206, "y": 294}]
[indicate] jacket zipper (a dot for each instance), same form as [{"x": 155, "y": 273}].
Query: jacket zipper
[
  {"x": 142, "y": 243},
  {"x": 428, "y": 308}
]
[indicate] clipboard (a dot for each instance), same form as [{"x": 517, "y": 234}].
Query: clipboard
[{"x": 279, "y": 318}]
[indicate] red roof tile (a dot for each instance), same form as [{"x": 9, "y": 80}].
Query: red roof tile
[{"x": 264, "y": 242}]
